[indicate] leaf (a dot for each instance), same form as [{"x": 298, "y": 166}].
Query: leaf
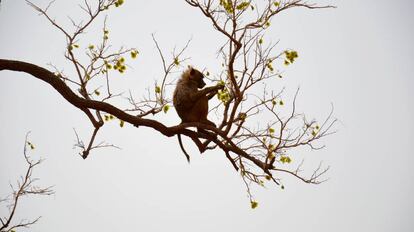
[
  {"x": 243, "y": 116},
  {"x": 243, "y": 6},
  {"x": 166, "y": 108},
  {"x": 254, "y": 204},
  {"x": 285, "y": 159},
  {"x": 134, "y": 54},
  {"x": 221, "y": 83},
  {"x": 31, "y": 145},
  {"x": 119, "y": 3},
  {"x": 157, "y": 89},
  {"x": 176, "y": 61}
]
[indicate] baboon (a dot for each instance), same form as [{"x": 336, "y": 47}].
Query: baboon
[{"x": 191, "y": 103}]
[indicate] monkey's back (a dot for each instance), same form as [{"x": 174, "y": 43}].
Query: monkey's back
[{"x": 187, "y": 109}]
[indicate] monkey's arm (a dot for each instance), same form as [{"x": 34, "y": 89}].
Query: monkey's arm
[
  {"x": 206, "y": 92},
  {"x": 211, "y": 94}
]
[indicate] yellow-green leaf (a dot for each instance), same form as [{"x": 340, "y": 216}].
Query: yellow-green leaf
[
  {"x": 166, "y": 108},
  {"x": 242, "y": 116},
  {"x": 134, "y": 54},
  {"x": 31, "y": 145},
  {"x": 176, "y": 61},
  {"x": 221, "y": 83},
  {"x": 254, "y": 204},
  {"x": 242, "y": 6},
  {"x": 285, "y": 159},
  {"x": 157, "y": 89}
]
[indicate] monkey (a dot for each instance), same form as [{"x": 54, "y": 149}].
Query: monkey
[{"x": 190, "y": 103}]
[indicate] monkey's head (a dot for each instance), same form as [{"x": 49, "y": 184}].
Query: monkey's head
[{"x": 196, "y": 77}]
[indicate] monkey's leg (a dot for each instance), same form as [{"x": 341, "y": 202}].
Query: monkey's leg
[
  {"x": 208, "y": 122},
  {"x": 206, "y": 134}
]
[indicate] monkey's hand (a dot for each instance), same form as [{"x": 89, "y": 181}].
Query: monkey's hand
[
  {"x": 218, "y": 87},
  {"x": 206, "y": 91},
  {"x": 213, "y": 93}
]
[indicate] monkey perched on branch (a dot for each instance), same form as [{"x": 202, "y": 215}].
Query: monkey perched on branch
[{"x": 191, "y": 103}]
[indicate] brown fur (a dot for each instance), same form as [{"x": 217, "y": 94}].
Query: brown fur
[{"x": 191, "y": 103}]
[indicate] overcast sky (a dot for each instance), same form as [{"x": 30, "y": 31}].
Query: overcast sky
[{"x": 360, "y": 57}]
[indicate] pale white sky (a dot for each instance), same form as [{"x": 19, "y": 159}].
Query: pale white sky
[{"x": 360, "y": 57}]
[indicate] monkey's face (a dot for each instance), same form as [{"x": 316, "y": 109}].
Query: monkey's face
[
  {"x": 201, "y": 83},
  {"x": 197, "y": 77}
]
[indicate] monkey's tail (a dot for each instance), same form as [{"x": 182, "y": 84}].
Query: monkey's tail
[{"x": 182, "y": 148}]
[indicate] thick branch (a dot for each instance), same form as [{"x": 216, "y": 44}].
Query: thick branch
[
  {"x": 81, "y": 103},
  {"x": 227, "y": 145}
]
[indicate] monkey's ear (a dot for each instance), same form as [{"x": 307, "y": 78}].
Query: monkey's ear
[{"x": 192, "y": 71}]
